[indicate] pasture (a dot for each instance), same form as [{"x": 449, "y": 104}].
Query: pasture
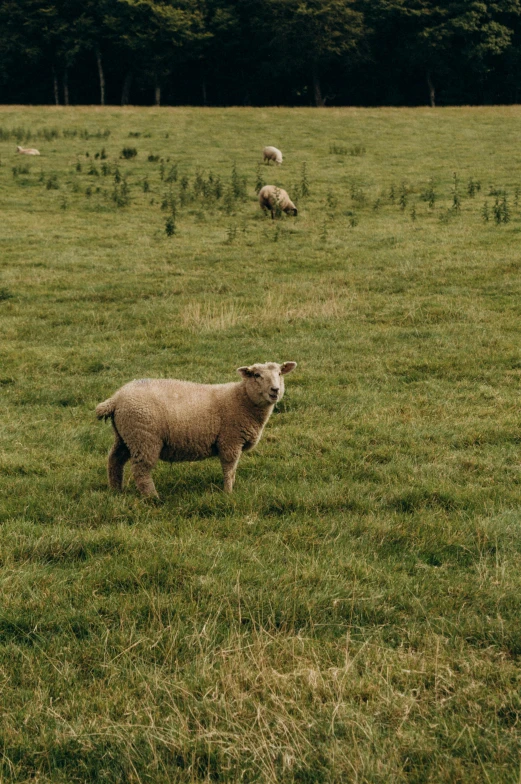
[{"x": 352, "y": 612}]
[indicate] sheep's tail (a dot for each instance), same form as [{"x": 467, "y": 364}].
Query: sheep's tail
[{"x": 106, "y": 409}]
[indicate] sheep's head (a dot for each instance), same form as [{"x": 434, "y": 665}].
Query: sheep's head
[{"x": 265, "y": 383}]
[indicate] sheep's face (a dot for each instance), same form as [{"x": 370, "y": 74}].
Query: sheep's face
[{"x": 265, "y": 383}]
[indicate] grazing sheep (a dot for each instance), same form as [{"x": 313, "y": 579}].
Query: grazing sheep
[
  {"x": 271, "y": 198},
  {"x": 27, "y": 150},
  {"x": 272, "y": 154},
  {"x": 167, "y": 419}
]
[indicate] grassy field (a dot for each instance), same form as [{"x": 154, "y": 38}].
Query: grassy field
[{"x": 352, "y": 612}]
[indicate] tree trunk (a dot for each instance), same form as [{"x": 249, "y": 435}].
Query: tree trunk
[
  {"x": 125, "y": 93},
  {"x": 66, "y": 86},
  {"x": 317, "y": 92},
  {"x": 101, "y": 77},
  {"x": 157, "y": 95},
  {"x": 432, "y": 90},
  {"x": 203, "y": 90},
  {"x": 55, "y": 87}
]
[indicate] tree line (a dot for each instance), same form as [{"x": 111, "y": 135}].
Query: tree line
[{"x": 260, "y": 52}]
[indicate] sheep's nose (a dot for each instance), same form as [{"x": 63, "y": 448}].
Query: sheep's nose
[{"x": 275, "y": 390}]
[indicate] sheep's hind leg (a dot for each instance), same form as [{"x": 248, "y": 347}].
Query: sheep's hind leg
[
  {"x": 118, "y": 456},
  {"x": 143, "y": 478}
]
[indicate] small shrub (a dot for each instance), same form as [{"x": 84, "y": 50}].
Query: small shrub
[
  {"x": 128, "y": 153},
  {"x": 153, "y": 158},
  {"x": 52, "y": 182},
  {"x": 5, "y": 294}
]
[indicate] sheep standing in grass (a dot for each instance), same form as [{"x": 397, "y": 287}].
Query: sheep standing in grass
[
  {"x": 273, "y": 198},
  {"x": 167, "y": 419},
  {"x": 271, "y": 154},
  {"x": 27, "y": 150}
]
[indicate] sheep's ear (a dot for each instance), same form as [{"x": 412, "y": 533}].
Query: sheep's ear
[
  {"x": 287, "y": 367},
  {"x": 245, "y": 372}
]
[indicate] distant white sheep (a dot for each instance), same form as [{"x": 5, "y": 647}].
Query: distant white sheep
[
  {"x": 167, "y": 419},
  {"x": 272, "y": 154},
  {"x": 273, "y": 198},
  {"x": 27, "y": 150}
]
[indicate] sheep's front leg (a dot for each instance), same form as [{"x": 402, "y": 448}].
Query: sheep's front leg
[{"x": 229, "y": 468}]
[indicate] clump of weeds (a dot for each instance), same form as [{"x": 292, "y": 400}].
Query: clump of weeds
[
  {"x": 501, "y": 210},
  {"x": 20, "y": 169},
  {"x": 238, "y": 183},
  {"x": 231, "y": 233},
  {"x": 331, "y": 200},
  {"x": 172, "y": 174},
  {"x": 473, "y": 187},
  {"x": 429, "y": 194},
  {"x": 170, "y": 223},
  {"x": 52, "y": 183},
  {"x": 259, "y": 179},
  {"x": 456, "y": 199},
  {"x": 128, "y": 153},
  {"x": 403, "y": 197},
  {"x": 304, "y": 183},
  {"x": 121, "y": 192}
]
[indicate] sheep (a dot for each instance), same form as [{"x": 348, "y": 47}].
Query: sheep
[
  {"x": 172, "y": 420},
  {"x": 272, "y": 154},
  {"x": 271, "y": 198},
  {"x": 27, "y": 150}
]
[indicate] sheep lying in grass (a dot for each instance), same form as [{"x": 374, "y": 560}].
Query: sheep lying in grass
[
  {"x": 273, "y": 198},
  {"x": 167, "y": 419},
  {"x": 27, "y": 150},
  {"x": 272, "y": 154}
]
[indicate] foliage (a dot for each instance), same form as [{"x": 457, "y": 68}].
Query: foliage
[{"x": 260, "y": 51}]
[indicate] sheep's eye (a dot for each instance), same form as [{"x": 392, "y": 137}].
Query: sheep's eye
[{"x": 256, "y": 375}]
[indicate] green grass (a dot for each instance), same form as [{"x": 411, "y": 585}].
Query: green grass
[{"x": 351, "y": 613}]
